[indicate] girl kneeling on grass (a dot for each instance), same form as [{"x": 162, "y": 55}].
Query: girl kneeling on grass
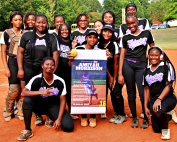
[
  {"x": 46, "y": 94},
  {"x": 158, "y": 91}
]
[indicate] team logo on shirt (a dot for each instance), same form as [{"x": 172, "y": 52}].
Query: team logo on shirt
[
  {"x": 133, "y": 43},
  {"x": 64, "y": 51},
  {"x": 53, "y": 91},
  {"x": 40, "y": 42},
  {"x": 150, "y": 79},
  {"x": 81, "y": 39}
]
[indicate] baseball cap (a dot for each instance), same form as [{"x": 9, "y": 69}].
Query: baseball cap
[
  {"x": 108, "y": 26},
  {"x": 92, "y": 32},
  {"x": 130, "y": 5}
]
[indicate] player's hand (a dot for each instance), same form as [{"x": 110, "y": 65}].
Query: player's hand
[
  {"x": 57, "y": 124},
  {"x": 74, "y": 42},
  {"x": 20, "y": 74},
  {"x": 108, "y": 54},
  {"x": 111, "y": 80},
  {"x": 7, "y": 72},
  {"x": 157, "y": 105},
  {"x": 113, "y": 84},
  {"x": 121, "y": 79},
  {"x": 70, "y": 56},
  {"x": 147, "y": 112},
  {"x": 46, "y": 92}
]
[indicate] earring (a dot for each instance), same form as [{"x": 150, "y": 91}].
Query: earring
[{"x": 161, "y": 57}]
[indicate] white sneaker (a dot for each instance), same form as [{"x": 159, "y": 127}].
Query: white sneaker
[
  {"x": 114, "y": 118},
  {"x": 165, "y": 134},
  {"x": 120, "y": 119},
  {"x": 103, "y": 116},
  {"x": 173, "y": 114}
]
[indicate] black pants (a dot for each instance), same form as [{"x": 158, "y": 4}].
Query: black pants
[
  {"x": 160, "y": 118},
  {"x": 41, "y": 106},
  {"x": 29, "y": 73},
  {"x": 66, "y": 76},
  {"x": 133, "y": 74},
  {"x": 13, "y": 67},
  {"x": 117, "y": 99}
]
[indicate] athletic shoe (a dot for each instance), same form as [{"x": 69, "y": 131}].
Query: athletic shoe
[
  {"x": 165, "y": 134},
  {"x": 39, "y": 120},
  {"x": 24, "y": 135},
  {"x": 114, "y": 118},
  {"x": 103, "y": 116},
  {"x": 173, "y": 114},
  {"x": 120, "y": 119},
  {"x": 74, "y": 117},
  {"x": 84, "y": 122},
  {"x": 135, "y": 122},
  {"x": 142, "y": 115},
  {"x": 48, "y": 122},
  {"x": 144, "y": 124},
  {"x": 130, "y": 115},
  {"x": 92, "y": 122}
]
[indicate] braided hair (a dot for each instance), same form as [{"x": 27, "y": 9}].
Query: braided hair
[
  {"x": 43, "y": 61},
  {"x": 34, "y": 37},
  {"x": 167, "y": 62}
]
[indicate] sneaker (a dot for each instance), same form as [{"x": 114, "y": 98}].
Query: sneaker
[
  {"x": 165, "y": 134},
  {"x": 145, "y": 124},
  {"x": 92, "y": 122},
  {"x": 103, "y": 116},
  {"x": 84, "y": 122},
  {"x": 74, "y": 117},
  {"x": 48, "y": 122},
  {"x": 24, "y": 135},
  {"x": 130, "y": 115},
  {"x": 7, "y": 116},
  {"x": 114, "y": 118},
  {"x": 173, "y": 114},
  {"x": 142, "y": 115},
  {"x": 39, "y": 120},
  {"x": 120, "y": 119},
  {"x": 135, "y": 123}
]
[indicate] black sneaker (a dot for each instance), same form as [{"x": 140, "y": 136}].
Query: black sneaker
[
  {"x": 145, "y": 124},
  {"x": 135, "y": 122}
]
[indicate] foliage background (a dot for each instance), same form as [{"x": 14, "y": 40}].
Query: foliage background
[{"x": 163, "y": 10}]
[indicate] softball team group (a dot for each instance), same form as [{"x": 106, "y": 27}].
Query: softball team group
[{"x": 38, "y": 67}]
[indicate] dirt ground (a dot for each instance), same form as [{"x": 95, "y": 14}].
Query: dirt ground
[{"x": 103, "y": 132}]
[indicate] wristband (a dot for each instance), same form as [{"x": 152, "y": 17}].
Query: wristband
[{"x": 159, "y": 99}]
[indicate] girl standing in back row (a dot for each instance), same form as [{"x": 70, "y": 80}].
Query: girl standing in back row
[{"x": 132, "y": 64}]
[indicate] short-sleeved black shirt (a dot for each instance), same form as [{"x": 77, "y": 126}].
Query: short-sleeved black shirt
[
  {"x": 136, "y": 45},
  {"x": 36, "y": 54}
]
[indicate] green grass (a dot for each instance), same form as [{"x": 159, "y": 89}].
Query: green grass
[{"x": 166, "y": 38}]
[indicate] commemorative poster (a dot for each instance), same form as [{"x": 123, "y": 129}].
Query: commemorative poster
[{"x": 88, "y": 83}]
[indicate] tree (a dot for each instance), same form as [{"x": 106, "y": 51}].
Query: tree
[
  {"x": 172, "y": 11},
  {"x": 93, "y": 5}
]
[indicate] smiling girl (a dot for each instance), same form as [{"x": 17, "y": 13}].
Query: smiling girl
[
  {"x": 159, "y": 93},
  {"x": 33, "y": 47},
  {"x": 132, "y": 64},
  {"x": 46, "y": 94}
]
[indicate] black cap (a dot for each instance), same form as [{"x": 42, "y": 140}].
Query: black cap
[
  {"x": 130, "y": 5},
  {"x": 92, "y": 32},
  {"x": 108, "y": 26}
]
